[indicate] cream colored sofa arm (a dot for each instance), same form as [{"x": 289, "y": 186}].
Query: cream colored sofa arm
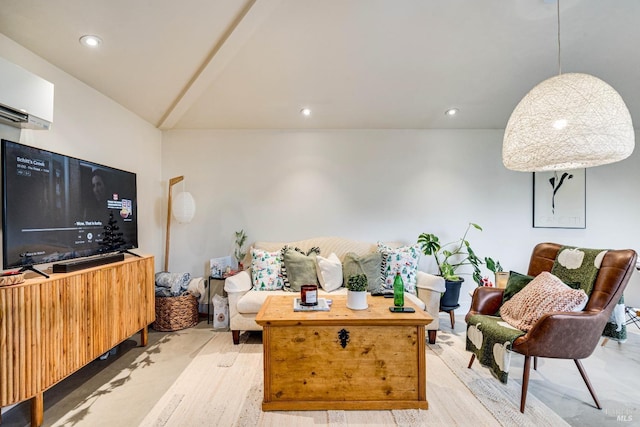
[
  {"x": 429, "y": 289},
  {"x": 430, "y": 281},
  {"x": 241, "y": 282}
]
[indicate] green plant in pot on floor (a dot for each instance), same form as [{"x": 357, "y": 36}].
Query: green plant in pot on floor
[{"x": 450, "y": 257}]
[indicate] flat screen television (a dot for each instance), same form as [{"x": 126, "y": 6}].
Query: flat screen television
[{"x": 57, "y": 207}]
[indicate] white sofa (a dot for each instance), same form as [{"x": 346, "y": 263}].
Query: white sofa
[{"x": 244, "y": 303}]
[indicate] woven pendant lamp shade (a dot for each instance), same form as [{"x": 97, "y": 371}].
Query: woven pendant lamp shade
[{"x": 569, "y": 121}]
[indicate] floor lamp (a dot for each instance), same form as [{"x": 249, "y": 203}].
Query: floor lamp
[{"x": 172, "y": 182}]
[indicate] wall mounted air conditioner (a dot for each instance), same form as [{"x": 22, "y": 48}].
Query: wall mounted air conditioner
[{"x": 26, "y": 100}]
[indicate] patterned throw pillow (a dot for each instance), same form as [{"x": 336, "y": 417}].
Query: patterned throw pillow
[
  {"x": 404, "y": 260},
  {"x": 266, "y": 270},
  {"x": 544, "y": 294}
]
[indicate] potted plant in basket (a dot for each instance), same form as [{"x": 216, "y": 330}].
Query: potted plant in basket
[
  {"x": 357, "y": 292},
  {"x": 449, "y": 258}
]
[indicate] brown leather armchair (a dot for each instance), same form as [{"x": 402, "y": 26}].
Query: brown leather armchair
[{"x": 559, "y": 335}]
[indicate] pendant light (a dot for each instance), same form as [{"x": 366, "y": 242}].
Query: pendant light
[{"x": 569, "y": 121}]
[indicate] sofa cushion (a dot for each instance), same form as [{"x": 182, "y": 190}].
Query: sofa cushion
[
  {"x": 329, "y": 271},
  {"x": 544, "y": 294},
  {"x": 300, "y": 268},
  {"x": 369, "y": 265},
  {"x": 403, "y": 260},
  {"x": 266, "y": 270},
  {"x": 252, "y": 301}
]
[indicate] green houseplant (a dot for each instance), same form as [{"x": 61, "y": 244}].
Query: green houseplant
[
  {"x": 500, "y": 276},
  {"x": 357, "y": 283},
  {"x": 357, "y": 292},
  {"x": 239, "y": 252},
  {"x": 451, "y": 256}
]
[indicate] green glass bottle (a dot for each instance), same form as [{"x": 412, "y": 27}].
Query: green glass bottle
[{"x": 398, "y": 291}]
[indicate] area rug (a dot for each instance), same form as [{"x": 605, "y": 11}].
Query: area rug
[
  {"x": 223, "y": 387},
  {"x": 502, "y": 400}
]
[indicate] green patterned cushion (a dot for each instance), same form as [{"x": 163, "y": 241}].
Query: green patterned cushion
[
  {"x": 266, "y": 270},
  {"x": 403, "y": 260}
]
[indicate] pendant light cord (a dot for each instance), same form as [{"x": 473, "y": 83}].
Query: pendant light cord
[{"x": 559, "y": 62}]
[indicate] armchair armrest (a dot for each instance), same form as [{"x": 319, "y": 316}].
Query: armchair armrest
[
  {"x": 430, "y": 281},
  {"x": 565, "y": 335},
  {"x": 241, "y": 282},
  {"x": 485, "y": 300}
]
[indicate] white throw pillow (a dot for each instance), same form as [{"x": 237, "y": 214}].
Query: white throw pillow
[{"x": 329, "y": 272}]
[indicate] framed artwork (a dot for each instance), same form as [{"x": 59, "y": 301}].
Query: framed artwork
[
  {"x": 218, "y": 266},
  {"x": 559, "y": 199}
]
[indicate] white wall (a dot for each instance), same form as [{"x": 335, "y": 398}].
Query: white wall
[
  {"x": 377, "y": 185},
  {"x": 289, "y": 185},
  {"x": 90, "y": 126}
]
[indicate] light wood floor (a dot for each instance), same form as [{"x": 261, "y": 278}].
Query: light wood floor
[{"x": 614, "y": 371}]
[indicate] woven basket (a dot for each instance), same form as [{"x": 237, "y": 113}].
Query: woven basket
[{"x": 175, "y": 313}]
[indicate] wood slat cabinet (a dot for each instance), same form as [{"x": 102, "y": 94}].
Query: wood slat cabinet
[{"x": 50, "y": 328}]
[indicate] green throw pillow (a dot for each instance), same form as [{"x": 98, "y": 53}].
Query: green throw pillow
[
  {"x": 515, "y": 284},
  {"x": 301, "y": 269},
  {"x": 370, "y": 265}
]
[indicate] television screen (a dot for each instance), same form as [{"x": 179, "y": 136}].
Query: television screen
[{"x": 57, "y": 207}]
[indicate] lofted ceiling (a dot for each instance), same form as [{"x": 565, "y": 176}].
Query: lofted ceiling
[{"x": 357, "y": 64}]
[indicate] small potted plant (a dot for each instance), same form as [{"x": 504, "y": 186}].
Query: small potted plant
[
  {"x": 239, "y": 252},
  {"x": 494, "y": 266},
  {"x": 449, "y": 258},
  {"x": 357, "y": 292}
]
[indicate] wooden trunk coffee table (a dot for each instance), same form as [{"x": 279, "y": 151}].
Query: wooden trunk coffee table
[{"x": 343, "y": 358}]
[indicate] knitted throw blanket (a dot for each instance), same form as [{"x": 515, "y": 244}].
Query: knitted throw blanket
[{"x": 490, "y": 339}]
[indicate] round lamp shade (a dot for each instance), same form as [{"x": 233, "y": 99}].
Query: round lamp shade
[
  {"x": 183, "y": 207},
  {"x": 569, "y": 121}
]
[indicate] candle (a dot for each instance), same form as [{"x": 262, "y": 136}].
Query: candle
[{"x": 309, "y": 295}]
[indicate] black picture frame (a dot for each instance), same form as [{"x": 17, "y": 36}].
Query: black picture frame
[{"x": 559, "y": 199}]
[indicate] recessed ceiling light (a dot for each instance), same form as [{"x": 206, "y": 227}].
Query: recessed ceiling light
[
  {"x": 305, "y": 112},
  {"x": 451, "y": 112},
  {"x": 90, "y": 41},
  {"x": 560, "y": 124}
]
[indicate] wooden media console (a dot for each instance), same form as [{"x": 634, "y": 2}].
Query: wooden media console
[{"x": 50, "y": 328}]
